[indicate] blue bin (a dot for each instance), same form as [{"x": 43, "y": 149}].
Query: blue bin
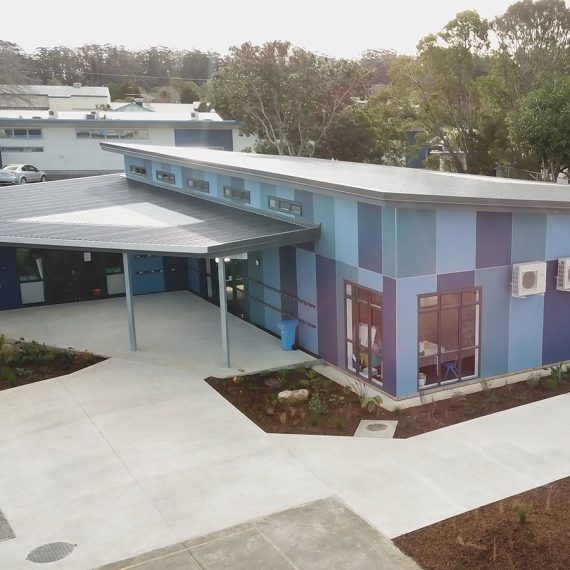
[{"x": 288, "y": 330}]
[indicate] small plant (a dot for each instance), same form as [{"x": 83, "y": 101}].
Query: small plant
[
  {"x": 485, "y": 384},
  {"x": 317, "y": 406},
  {"x": 551, "y": 383},
  {"x": 490, "y": 402},
  {"x": 522, "y": 510},
  {"x": 362, "y": 390},
  {"x": 336, "y": 400},
  {"x": 6, "y": 357},
  {"x": 338, "y": 424},
  {"x": 557, "y": 372},
  {"x": 283, "y": 374},
  {"x": 371, "y": 403},
  {"x": 534, "y": 380},
  {"x": 397, "y": 410}
]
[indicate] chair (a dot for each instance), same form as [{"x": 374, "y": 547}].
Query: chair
[{"x": 451, "y": 367}]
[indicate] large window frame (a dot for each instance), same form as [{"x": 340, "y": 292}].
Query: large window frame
[
  {"x": 364, "y": 356},
  {"x": 21, "y": 133},
  {"x": 449, "y": 362}
]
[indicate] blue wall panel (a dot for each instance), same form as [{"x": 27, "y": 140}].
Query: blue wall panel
[
  {"x": 416, "y": 242},
  {"x": 9, "y": 281},
  {"x": 389, "y": 334},
  {"x": 452, "y": 281},
  {"x": 324, "y": 215},
  {"x": 288, "y": 276},
  {"x": 221, "y": 139},
  {"x": 194, "y": 283},
  {"x": 306, "y": 200},
  {"x": 175, "y": 273},
  {"x": 557, "y": 236},
  {"x": 272, "y": 277},
  {"x": 455, "y": 240},
  {"x": 496, "y": 297},
  {"x": 556, "y": 329},
  {"x": 255, "y": 289},
  {"x": 307, "y": 291},
  {"x": 370, "y": 279},
  {"x": 146, "y": 274},
  {"x": 389, "y": 267},
  {"x": 529, "y": 237},
  {"x": 494, "y": 236},
  {"x": 346, "y": 231},
  {"x": 370, "y": 237},
  {"x": 407, "y": 329},
  {"x": 525, "y": 332},
  {"x": 327, "y": 309}
]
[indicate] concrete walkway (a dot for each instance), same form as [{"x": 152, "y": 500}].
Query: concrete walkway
[
  {"x": 401, "y": 485},
  {"x": 176, "y": 329}
]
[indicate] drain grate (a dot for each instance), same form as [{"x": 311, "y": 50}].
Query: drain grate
[
  {"x": 376, "y": 427},
  {"x": 51, "y": 552},
  {"x": 6, "y": 532}
]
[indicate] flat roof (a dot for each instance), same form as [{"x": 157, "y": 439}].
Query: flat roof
[
  {"x": 113, "y": 213},
  {"x": 386, "y": 183},
  {"x": 55, "y": 90}
]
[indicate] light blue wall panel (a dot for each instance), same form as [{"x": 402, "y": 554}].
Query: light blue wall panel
[
  {"x": 525, "y": 332},
  {"x": 271, "y": 277},
  {"x": 165, "y": 167},
  {"x": 455, "y": 240},
  {"x": 324, "y": 215},
  {"x": 213, "y": 180},
  {"x": 265, "y": 190},
  {"x": 496, "y": 296},
  {"x": 256, "y": 290},
  {"x": 407, "y": 291},
  {"x": 346, "y": 230},
  {"x": 529, "y": 237},
  {"x": 307, "y": 291},
  {"x": 253, "y": 186},
  {"x": 370, "y": 279},
  {"x": 416, "y": 242},
  {"x": 285, "y": 192},
  {"x": 389, "y": 241},
  {"x": 350, "y": 273},
  {"x": 557, "y": 236}
]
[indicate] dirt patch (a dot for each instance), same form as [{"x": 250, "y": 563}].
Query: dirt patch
[
  {"x": 338, "y": 411},
  {"x": 24, "y": 362},
  {"x": 530, "y": 531}
]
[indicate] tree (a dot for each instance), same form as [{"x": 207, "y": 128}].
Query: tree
[
  {"x": 534, "y": 42},
  {"x": 14, "y": 73},
  {"x": 284, "y": 94},
  {"x": 439, "y": 89},
  {"x": 351, "y": 136},
  {"x": 541, "y": 126},
  {"x": 377, "y": 64}
]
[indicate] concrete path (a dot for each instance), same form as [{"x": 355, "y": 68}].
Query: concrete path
[
  {"x": 175, "y": 329},
  {"x": 125, "y": 457},
  {"x": 322, "y": 535},
  {"x": 401, "y": 485}
]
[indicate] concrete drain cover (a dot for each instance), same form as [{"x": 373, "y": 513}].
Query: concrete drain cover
[
  {"x": 51, "y": 552},
  {"x": 376, "y": 427}
]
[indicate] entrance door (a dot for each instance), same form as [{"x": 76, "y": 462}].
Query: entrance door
[
  {"x": 236, "y": 277},
  {"x": 73, "y": 276}
]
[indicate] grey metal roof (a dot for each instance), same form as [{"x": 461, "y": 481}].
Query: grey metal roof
[
  {"x": 113, "y": 213},
  {"x": 56, "y": 90},
  {"x": 384, "y": 183}
]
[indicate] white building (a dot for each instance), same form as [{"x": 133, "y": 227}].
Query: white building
[{"x": 65, "y": 143}]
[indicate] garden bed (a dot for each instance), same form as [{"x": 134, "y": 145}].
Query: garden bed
[
  {"x": 338, "y": 411},
  {"x": 24, "y": 362},
  {"x": 530, "y": 531}
]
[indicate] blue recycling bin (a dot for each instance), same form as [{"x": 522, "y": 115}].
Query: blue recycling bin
[{"x": 288, "y": 330}]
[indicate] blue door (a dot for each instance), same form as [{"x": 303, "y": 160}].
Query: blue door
[
  {"x": 9, "y": 283},
  {"x": 175, "y": 273}
]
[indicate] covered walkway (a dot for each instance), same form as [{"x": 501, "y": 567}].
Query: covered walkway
[{"x": 175, "y": 329}]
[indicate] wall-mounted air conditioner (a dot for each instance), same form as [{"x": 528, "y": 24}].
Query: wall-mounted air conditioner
[
  {"x": 563, "y": 277},
  {"x": 529, "y": 279}
]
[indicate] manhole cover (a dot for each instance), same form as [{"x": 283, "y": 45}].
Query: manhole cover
[
  {"x": 51, "y": 552},
  {"x": 376, "y": 427}
]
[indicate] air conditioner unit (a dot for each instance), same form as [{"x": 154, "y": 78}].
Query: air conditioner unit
[
  {"x": 529, "y": 279},
  {"x": 90, "y": 116},
  {"x": 563, "y": 277},
  {"x": 52, "y": 113}
]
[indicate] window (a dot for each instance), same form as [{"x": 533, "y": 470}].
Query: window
[
  {"x": 284, "y": 205},
  {"x": 166, "y": 177},
  {"x": 363, "y": 318},
  {"x": 20, "y": 133},
  {"x": 138, "y": 170},
  {"x": 30, "y": 267},
  {"x": 22, "y": 149},
  {"x": 448, "y": 336},
  {"x": 110, "y": 134},
  {"x": 237, "y": 194},
  {"x": 200, "y": 185}
]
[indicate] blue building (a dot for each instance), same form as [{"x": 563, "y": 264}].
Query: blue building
[{"x": 408, "y": 279}]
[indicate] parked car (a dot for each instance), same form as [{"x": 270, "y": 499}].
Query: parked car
[{"x": 20, "y": 174}]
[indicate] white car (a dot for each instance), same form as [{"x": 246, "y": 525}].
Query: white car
[{"x": 20, "y": 174}]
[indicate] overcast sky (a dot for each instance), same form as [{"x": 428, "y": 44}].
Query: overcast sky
[{"x": 318, "y": 25}]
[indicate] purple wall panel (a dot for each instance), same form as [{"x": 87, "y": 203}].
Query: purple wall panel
[
  {"x": 327, "y": 309},
  {"x": 389, "y": 334},
  {"x": 451, "y": 281},
  {"x": 556, "y": 332},
  {"x": 494, "y": 237},
  {"x": 288, "y": 274}
]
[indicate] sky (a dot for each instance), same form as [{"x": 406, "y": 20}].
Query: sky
[{"x": 327, "y": 27}]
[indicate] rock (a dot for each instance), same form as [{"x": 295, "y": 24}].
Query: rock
[
  {"x": 293, "y": 396},
  {"x": 9, "y": 352}
]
